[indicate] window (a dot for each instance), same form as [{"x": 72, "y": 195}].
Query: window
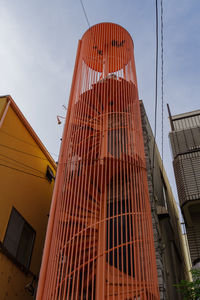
[
  {"x": 49, "y": 174},
  {"x": 19, "y": 238}
]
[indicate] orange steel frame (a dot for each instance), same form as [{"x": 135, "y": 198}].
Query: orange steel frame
[{"x": 99, "y": 242}]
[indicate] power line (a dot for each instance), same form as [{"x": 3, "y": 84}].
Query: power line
[
  {"x": 20, "y": 163},
  {"x": 23, "y": 152},
  {"x": 23, "y": 141},
  {"x": 162, "y": 79},
  {"x": 85, "y": 13},
  {"x": 16, "y": 169},
  {"x": 156, "y": 93}
]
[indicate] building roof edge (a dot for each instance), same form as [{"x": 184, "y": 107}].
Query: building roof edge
[{"x": 30, "y": 130}]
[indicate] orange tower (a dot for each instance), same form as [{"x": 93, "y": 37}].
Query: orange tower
[{"x": 99, "y": 242}]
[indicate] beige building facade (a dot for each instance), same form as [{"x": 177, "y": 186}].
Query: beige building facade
[{"x": 185, "y": 143}]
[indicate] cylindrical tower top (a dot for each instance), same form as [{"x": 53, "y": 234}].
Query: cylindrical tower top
[{"x": 107, "y": 47}]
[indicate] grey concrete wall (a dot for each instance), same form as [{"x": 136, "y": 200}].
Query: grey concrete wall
[{"x": 170, "y": 255}]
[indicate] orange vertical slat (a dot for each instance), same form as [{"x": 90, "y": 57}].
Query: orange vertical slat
[{"x": 99, "y": 242}]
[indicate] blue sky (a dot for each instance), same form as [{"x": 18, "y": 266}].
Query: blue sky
[{"x": 38, "y": 47}]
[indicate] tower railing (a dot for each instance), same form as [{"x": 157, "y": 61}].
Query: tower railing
[{"x": 99, "y": 242}]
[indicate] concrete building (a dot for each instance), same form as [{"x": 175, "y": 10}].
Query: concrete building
[
  {"x": 171, "y": 255},
  {"x": 27, "y": 174},
  {"x": 185, "y": 144}
]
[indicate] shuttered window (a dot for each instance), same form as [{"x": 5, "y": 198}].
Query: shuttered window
[{"x": 19, "y": 238}]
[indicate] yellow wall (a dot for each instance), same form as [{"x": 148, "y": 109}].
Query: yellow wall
[
  {"x": 2, "y": 106},
  {"x": 12, "y": 281},
  {"x": 30, "y": 195}
]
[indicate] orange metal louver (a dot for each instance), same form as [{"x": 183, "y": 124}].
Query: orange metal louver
[{"x": 99, "y": 242}]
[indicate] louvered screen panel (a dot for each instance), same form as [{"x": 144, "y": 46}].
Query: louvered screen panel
[
  {"x": 186, "y": 168},
  {"x": 185, "y": 141},
  {"x": 193, "y": 235}
]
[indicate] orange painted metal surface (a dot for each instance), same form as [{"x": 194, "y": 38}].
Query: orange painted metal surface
[{"x": 99, "y": 241}]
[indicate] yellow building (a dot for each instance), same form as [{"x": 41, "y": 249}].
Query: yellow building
[{"x": 27, "y": 173}]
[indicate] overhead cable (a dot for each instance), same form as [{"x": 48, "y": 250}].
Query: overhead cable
[
  {"x": 16, "y": 169},
  {"x": 162, "y": 80},
  {"x": 85, "y": 13},
  {"x": 156, "y": 93},
  {"x": 23, "y": 152},
  {"x": 24, "y": 141},
  {"x": 20, "y": 163}
]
